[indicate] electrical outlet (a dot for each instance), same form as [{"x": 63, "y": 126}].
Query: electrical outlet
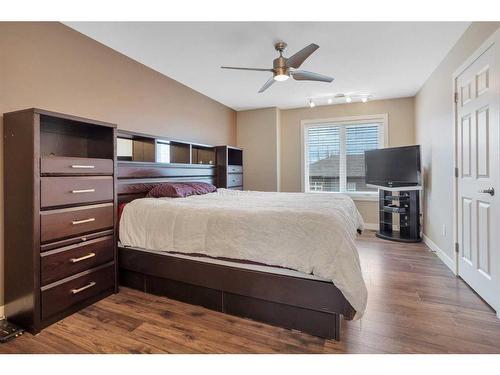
[{"x": 444, "y": 230}]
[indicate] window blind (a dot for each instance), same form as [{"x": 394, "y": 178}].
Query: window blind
[
  {"x": 359, "y": 138},
  {"x": 335, "y": 156},
  {"x": 324, "y": 158}
]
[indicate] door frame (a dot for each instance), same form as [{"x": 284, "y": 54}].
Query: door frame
[{"x": 492, "y": 39}]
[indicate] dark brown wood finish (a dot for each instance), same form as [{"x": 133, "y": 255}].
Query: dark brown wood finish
[
  {"x": 229, "y": 167},
  {"x": 64, "y": 191},
  {"x": 53, "y": 165},
  {"x": 60, "y": 295},
  {"x": 69, "y": 260},
  {"x": 293, "y": 291},
  {"x": 21, "y": 221},
  {"x": 74, "y": 240},
  {"x": 73, "y": 221},
  {"x": 286, "y": 301},
  {"x": 415, "y": 305},
  {"x": 234, "y": 180},
  {"x": 46, "y": 155},
  {"x": 282, "y": 300},
  {"x": 158, "y": 170},
  {"x": 136, "y": 179}
]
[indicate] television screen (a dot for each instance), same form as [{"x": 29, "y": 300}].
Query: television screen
[{"x": 393, "y": 167}]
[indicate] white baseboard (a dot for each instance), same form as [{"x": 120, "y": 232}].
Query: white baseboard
[
  {"x": 371, "y": 226},
  {"x": 445, "y": 258},
  {"x": 375, "y": 226}
]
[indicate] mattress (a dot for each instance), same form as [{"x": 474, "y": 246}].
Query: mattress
[{"x": 312, "y": 234}]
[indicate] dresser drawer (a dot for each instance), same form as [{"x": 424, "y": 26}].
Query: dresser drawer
[
  {"x": 234, "y": 179},
  {"x": 69, "y": 260},
  {"x": 75, "y": 166},
  {"x": 234, "y": 169},
  {"x": 59, "y": 296},
  {"x": 68, "y": 222},
  {"x": 59, "y": 191}
]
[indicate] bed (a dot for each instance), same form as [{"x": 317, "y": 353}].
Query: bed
[{"x": 288, "y": 259}]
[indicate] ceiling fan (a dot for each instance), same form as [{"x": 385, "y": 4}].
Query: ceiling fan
[{"x": 284, "y": 67}]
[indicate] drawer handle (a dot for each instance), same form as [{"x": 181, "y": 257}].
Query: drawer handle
[
  {"x": 89, "y": 285},
  {"x": 78, "y": 166},
  {"x": 88, "y": 256},
  {"x": 83, "y": 191},
  {"x": 76, "y": 222}
]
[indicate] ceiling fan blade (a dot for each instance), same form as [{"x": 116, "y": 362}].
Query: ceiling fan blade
[
  {"x": 254, "y": 69},
  {"x": 303, "y": 75},
  {"x": 297, "y": 59},
  {"x": 268, "y": 84}
]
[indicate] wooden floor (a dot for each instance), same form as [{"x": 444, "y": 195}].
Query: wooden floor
[{"x": 415, "y": 305}]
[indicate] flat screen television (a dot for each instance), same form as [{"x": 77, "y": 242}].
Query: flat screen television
[{"x": 393, "y": 167}]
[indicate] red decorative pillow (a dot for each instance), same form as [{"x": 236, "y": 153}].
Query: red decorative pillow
[{"x": 180, "y": 189}]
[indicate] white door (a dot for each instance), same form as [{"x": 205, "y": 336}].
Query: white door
[{"x": 478, "y": 188}]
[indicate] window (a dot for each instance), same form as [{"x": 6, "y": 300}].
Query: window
[
  {"x": 333, "y": 157},
  {"x": 162, "y": 152}
]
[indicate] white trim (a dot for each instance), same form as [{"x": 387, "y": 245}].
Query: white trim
[
  {"x": 2, "y": 311},
  {"x": 445, "y": 258},
  {"x": 355, "y": 196},
  {"x": 376, "y": 226},
  {"x": 372, "y": 226},
  {"x": 366, "y": 197},
  {"x": 469, "y": 61},
  {"x": 349, "y": 120},
  {"x": 477, "y": 53}
]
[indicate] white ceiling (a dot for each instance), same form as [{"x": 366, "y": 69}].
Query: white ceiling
[{"x": 385, "y": 59}]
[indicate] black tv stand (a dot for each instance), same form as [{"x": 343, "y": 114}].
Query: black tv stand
[{"x": 405, "y": 203}]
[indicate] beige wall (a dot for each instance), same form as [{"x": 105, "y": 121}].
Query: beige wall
[
  {"x": 401, "y": 132},
  {"x": 434, "y": 130},
  {"x": 50, "y": 66},
  {"x": 257, "y": 132}
]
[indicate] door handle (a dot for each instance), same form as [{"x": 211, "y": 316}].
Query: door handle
[{"x": 490, "y": 191}]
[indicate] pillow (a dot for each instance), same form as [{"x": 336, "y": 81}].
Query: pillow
[{"x": 180, "y": 189}]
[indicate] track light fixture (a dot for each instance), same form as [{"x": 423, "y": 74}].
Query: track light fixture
[{"x": 338, "y": 98}]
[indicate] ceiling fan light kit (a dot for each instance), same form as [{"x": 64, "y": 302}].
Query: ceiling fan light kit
[
  {"x": 284, "y": 67},
  {"x": 281, "y": 77}
]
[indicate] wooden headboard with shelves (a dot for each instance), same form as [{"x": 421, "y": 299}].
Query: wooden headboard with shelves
[
  {"x": 135, "y": 179},
  {"x": 148, "y": 160}
]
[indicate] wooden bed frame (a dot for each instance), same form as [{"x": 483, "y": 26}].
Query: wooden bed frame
[{"x": 306, "y": 305}]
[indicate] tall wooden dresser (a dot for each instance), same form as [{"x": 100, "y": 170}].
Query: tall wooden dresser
[{"x": 60, "y": 216}]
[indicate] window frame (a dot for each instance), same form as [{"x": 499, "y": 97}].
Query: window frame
[{"x": 340, "y": 121}]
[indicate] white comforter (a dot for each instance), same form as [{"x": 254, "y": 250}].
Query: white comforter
[{"x": 311, "y": 233}]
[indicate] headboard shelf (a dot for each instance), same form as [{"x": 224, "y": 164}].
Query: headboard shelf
[
  {"x": 147, "y": 160},
  {"x": 164, "y": 165},
  {"x": 140, "y": 147}
]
